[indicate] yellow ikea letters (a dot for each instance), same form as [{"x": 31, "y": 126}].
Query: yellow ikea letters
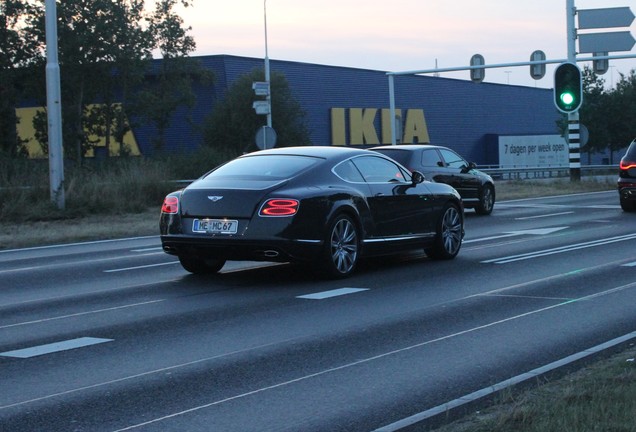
[{"x": 362, "y": 129}]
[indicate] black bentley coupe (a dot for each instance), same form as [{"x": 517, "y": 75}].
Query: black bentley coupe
[{"x": 325, "y": 206}]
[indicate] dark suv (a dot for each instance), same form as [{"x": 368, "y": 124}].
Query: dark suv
[
  {"x": 627, "y": 179},
  {"x": 444, "y": 165}
]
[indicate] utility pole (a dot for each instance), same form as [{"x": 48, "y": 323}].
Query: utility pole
[{"x": 54, "y": 107}]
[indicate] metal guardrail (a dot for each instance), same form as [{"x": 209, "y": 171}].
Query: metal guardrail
[
  {"x": 521, "y": 173},
  {"x": 509, "y": 173},
  {"x": 538, "y": 173}
]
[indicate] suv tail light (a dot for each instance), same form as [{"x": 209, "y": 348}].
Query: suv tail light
[
  {"x": 170, "y": 205},
  {"x": 627, "y": 164},
  {"x": 279, "y": 207}
]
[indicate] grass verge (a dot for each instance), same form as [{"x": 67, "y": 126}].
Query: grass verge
[
  {"x": 106, "y": 212},
  {"x": 598, "y": 398}
]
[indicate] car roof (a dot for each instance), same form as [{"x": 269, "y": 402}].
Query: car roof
[
  {"x": 327, "y": 152},
  {"x": 408, "y": 147}
]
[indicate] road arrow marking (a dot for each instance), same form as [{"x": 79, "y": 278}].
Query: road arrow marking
[{"x": 560, "y": 249}]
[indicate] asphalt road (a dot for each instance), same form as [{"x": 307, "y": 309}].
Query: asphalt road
[{"x": 114, "y": 336}]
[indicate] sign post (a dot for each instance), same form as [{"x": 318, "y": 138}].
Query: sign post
[{"x": 599, "y": 44}]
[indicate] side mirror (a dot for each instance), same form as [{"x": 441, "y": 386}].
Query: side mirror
[
  {"x": 417, "y": 177},
  {"x": 470, "y": 166}
]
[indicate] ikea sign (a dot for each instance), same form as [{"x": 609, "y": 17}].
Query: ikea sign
[{"x": 360, "y": 126}]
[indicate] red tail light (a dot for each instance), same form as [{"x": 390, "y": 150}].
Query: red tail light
[
  {"x": 170, "y": 205},
  {"x": 625, "y": 165},
  {"x": 279, "y": 207}
]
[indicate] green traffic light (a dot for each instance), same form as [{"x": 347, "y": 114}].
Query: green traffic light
[
  {"x": 568, "y": 90},
  {"x": 567, "y": 98}
]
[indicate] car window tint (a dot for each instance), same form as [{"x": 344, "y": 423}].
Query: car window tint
[
  {"x": 452, "y": 159},
  {"x": 348, "y": 172},
  {"x": 264, "y": 167},
  {"x": 401, "y": 156},
  {"x": 430, "y": 158},
  {"x": 379, "y": 170}
]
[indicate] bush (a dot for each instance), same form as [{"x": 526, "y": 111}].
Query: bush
[{"x": 110, "y": 186}]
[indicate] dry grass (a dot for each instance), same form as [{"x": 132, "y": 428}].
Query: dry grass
[
  {"x": 509, "y": 190},
  {"x": 598, "y": 398},
  {"x": 99, "y": 225}
]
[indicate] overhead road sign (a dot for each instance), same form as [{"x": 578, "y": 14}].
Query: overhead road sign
[
  {"x": 606, "y": 42},
  {"x": 605, "y": 18}
]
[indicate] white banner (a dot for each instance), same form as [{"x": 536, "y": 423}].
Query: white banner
[{"x": 533, "y": 151}]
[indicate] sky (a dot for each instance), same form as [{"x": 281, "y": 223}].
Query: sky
[{"x": 398, "y": 35}]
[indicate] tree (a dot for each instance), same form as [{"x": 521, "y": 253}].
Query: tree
[
  {"x": 594, "y": 110},
  {"x": 608, "y": 114},
  {"x": 169, "y": 84},
  {"x": 131, "y": 58},
  {"x": 96, "y": 40},
  {"x": 105, "y": 56},
  {"x": 621, "y": 111},
  {"x": 232, "y": 125},
  {"x": 18, "y": 55}
]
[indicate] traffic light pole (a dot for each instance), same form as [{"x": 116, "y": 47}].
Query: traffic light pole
[
  {"x": 574, "y": 146},
  {"x": 573, "y": 132},
  {"x": 574, "y": 140}
]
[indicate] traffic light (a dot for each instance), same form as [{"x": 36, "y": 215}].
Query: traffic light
[{"x": 568, "y": 89}]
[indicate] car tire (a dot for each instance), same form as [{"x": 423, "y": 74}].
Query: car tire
[
  {"x": 341, "y": 249},
  {"x": 201, "y": 265},
  {"x": 486, "y": 200},
  {"x": 628, "y": 206},
  {"x": 449, "y": 234}
]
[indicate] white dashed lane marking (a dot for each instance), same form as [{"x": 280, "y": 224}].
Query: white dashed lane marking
[
  {"x": 54, "y": 347},
  {"x": 333, "y": 293}
]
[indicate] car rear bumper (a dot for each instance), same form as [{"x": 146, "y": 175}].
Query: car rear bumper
[
  {"x": 234, "y": 249},
  {"x": 627, "y": 190},
  {"x": 628, "y": 194}
]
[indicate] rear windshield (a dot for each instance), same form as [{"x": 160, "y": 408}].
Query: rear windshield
[
  {"x": 264, "y": 167},
  {"x": 400, "y": 156}
]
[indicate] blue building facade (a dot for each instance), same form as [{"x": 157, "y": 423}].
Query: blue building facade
[{"x": 348, "y": 106}]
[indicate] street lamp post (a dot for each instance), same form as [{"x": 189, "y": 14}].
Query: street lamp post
[
  {"x": 268, "y": 98},
  {"x": 54, "y": 107}
]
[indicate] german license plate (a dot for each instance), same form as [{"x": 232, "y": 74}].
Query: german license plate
[{"x": 215, "y": 226}]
